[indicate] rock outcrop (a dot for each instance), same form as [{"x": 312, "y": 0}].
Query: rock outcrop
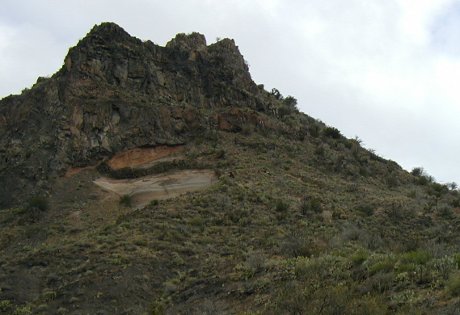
[{"x": 116, "y": 92}]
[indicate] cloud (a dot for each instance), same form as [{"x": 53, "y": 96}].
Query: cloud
[{"x": 386, "y": 71}]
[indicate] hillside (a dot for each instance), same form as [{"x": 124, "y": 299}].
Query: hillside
[{"x": 142, "y": 179}]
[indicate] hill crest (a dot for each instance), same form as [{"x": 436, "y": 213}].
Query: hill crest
[{"x": 163, "y": 180}]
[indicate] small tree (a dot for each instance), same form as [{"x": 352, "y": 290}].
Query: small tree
[
  {"x": 290, "y": 101},
  {"x": 418, "y": 171},
  {"x": 126, "y": 200},
  {"x": 437, "y": 191},
  {"x": 39, "y": 203}
]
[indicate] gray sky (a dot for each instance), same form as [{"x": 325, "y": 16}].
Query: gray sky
[{"x": 385, "y": 71}]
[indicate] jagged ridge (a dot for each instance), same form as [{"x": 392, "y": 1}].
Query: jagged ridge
[{"x": 116, "y": 92}]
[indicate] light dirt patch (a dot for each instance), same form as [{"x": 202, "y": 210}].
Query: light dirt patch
[
  {"x": 154, "y": 187},
  {"x": 144, "y": 157}
]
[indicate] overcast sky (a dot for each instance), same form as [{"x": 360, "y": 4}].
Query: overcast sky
[{"x": 385, "y": 71}]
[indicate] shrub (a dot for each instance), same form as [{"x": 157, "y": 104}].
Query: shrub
[
  {"x": 424, "y": 180},
  {"x": 453, "y": 286},
  {"x": 380, "y": 282},
  {"x": 391, "y": 181},
  {"x": 284, "y": 111},
  {"x": 310, "y": 205},
  {"x": 438, "y": 190},
  {"x": 457, "y": 260},
  {"x": 385, "y": 265},
  {"x": 444, "y": 266},
  {"x": 417, "y": 171},
  {"x": 359, "y": 257},
  {"x": 332, "y": 132},
  {"x": 290, "y": 101},
  {"x": 255, "y": 262},
  {"x": 281, "y": 206},
  {"x": 220, "y": 154},
  {"x": 455, "y": 203},
  {"x": 247, "y": 129},
  {"x": 446, "y": 212},
  {"x": 314, "y": 131},
  {"x": 297, "y": 244},
  {"x": 320, "y": 151},
  {"x": 5, "y": 306},
  {"x": 38, "y": 202},
  {"x": 34, "y": 209},
  {"x": 418, "y": 257},
  {"x": 351, "y": 232},
  {"x": 366, "y": 209},
  {"x": 22, "y": 310},
  {"x": 126, "y": 200}
]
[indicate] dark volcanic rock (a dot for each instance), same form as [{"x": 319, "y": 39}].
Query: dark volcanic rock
[{"x": 116, "y": 92}]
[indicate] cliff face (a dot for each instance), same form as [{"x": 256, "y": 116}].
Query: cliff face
[{"x": 116, "y": 92}]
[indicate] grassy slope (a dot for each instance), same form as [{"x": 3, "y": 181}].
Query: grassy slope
[{"x": 314, "y": 225}]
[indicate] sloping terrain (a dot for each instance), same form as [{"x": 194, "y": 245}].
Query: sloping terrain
[{"x": 297, "y": 219}]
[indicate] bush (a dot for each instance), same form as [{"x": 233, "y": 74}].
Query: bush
[
  {"x": 281, "y": 206},
  {"x": 418, "y": 257},
  {"x": 424, "y": 180},
  {"x": 284, "y": 111},
  {"x": 22, "y": 310},
  {"x": 247, "y": 129},
  {"x": 438, "y": 190},
  {"x": 310, "y": 205},
  {"x": 359, "y": 257},
  {"x": 5, "y": 306},
  {"x": 417, "y": 171},
  {"x": 453, "y": 286},
  {"x": 34, "y": 209},
  {"x": 38, "y": 202},
  {"x": 332, "y": 132},
  {"x": 365, "y": 209},
  {"x": 446, "y": 212},
  {"x": 455, "y": 203},
  {"x": 126, "y": 200},
  {"x": 297, "y": 244},
  {"x": 379, "y": 282},
  {"x": 290, "y": 102},
  {"x": 314, "y": 131},
  {"x": 391, "y": 181},
  {"x": 457, "y": 260},
  {"x": 383, "y": 266}
]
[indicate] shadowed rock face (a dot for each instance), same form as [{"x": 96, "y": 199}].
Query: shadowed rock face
[{"x": 114, "y": 93}]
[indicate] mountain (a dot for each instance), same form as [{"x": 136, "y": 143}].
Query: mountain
[{"x": 142, "y": 179}]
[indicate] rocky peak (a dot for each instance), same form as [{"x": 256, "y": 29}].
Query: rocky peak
[
  {"x": 108, "y": 30},
  {"x": 189, "y": 42},
  {"x": 186, "y": 69},
  {"x": 116, "y": 92}
]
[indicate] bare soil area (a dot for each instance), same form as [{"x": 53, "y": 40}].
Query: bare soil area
[{"x": 154, "y": 187}]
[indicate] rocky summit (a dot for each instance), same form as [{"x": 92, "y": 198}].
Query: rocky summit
[
  {"x": 141, "y": 179},
  {"x": 115, "y": 92}
]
